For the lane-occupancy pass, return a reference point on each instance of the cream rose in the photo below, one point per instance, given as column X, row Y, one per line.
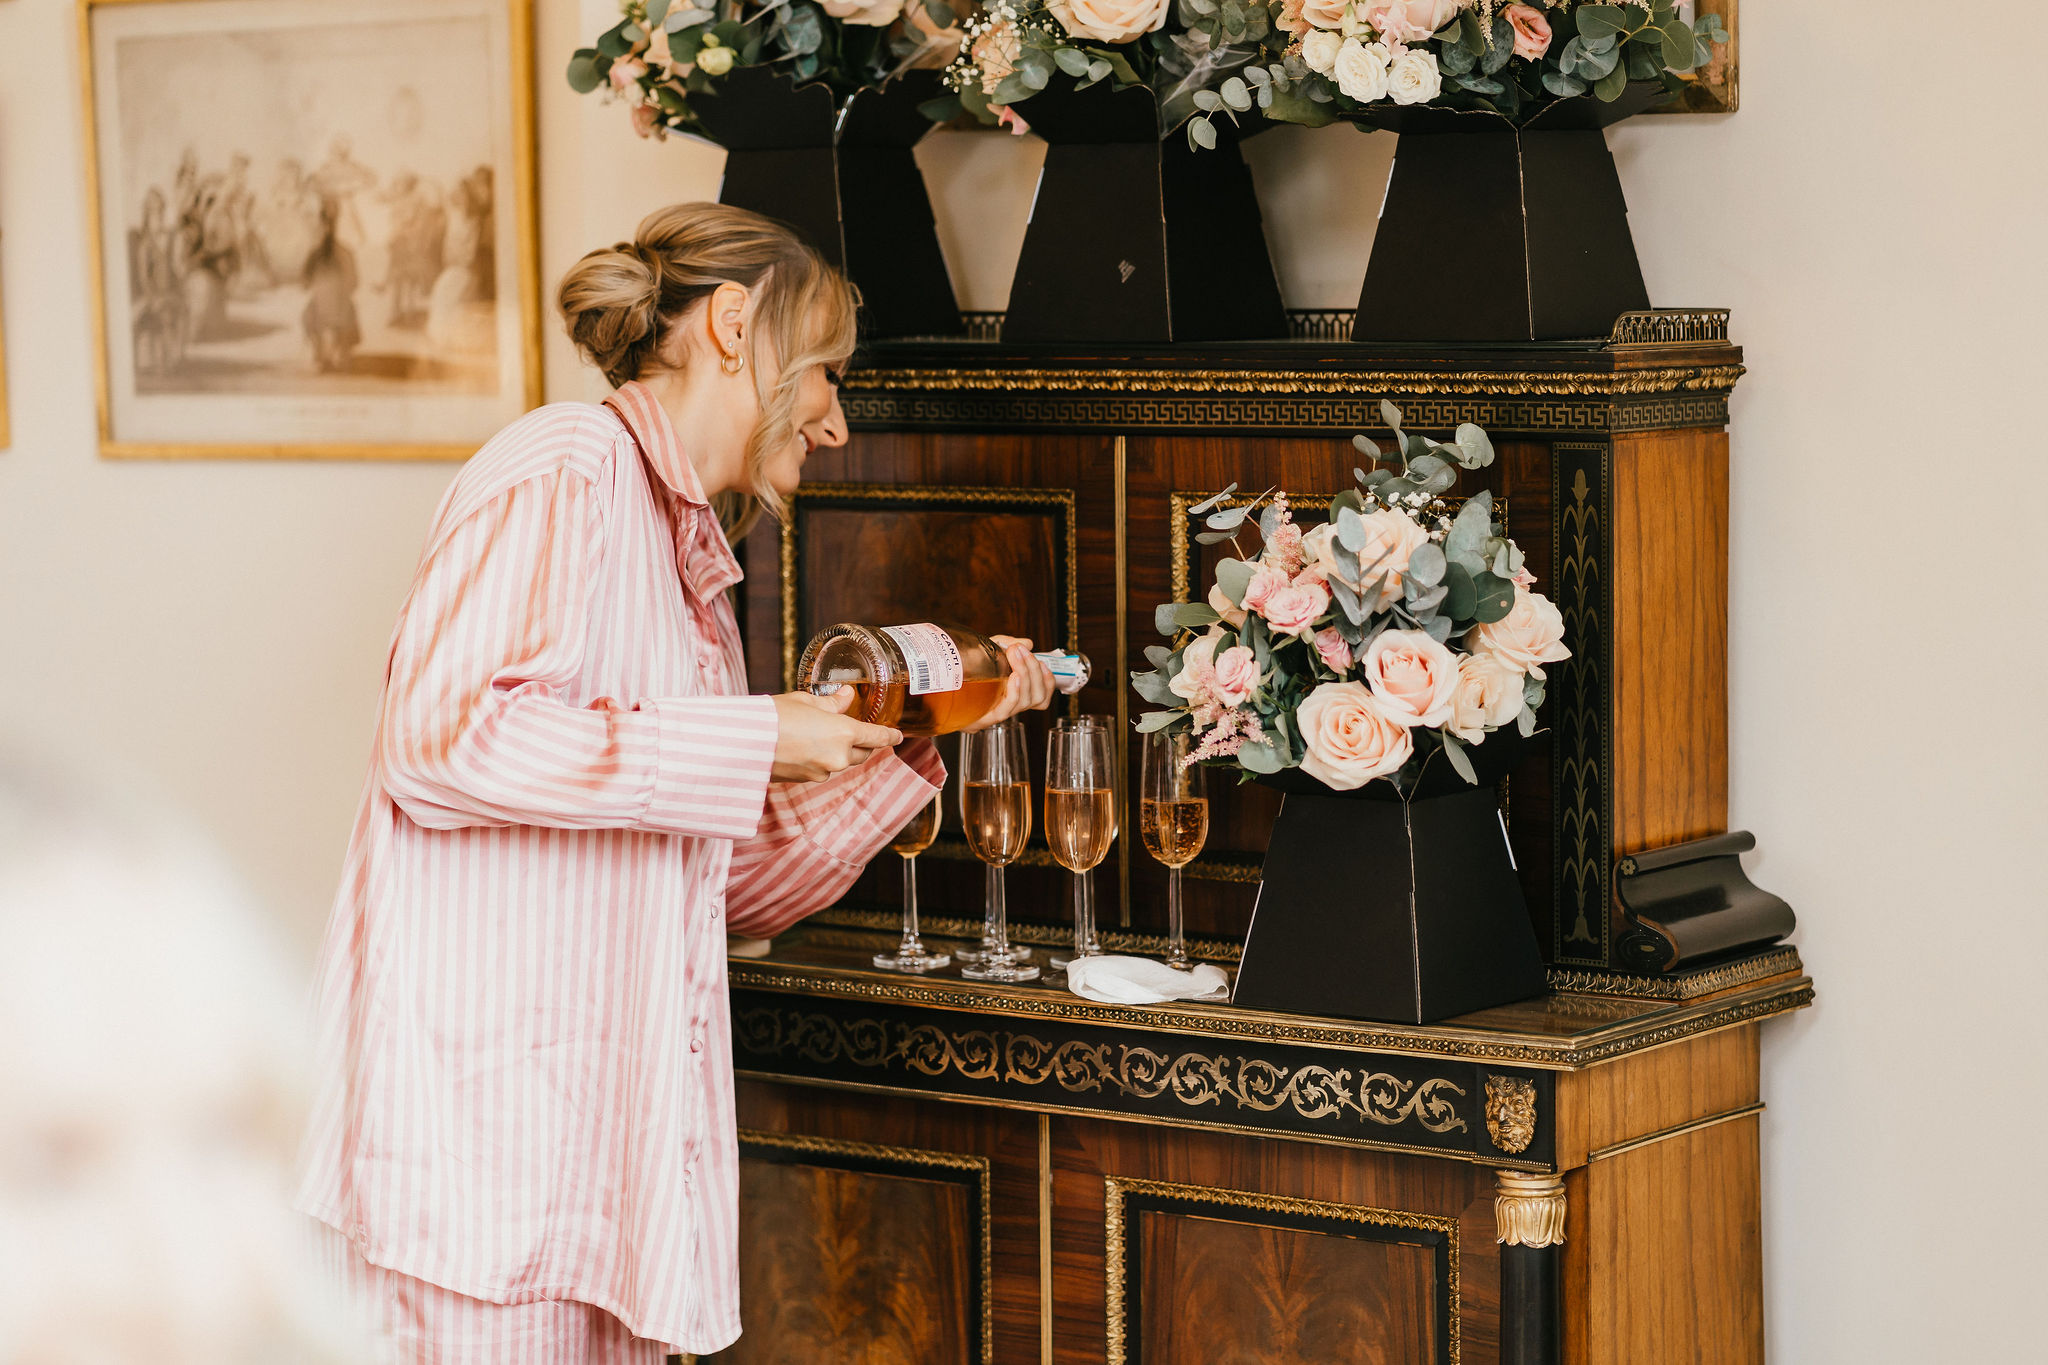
column 1326, row 14
column 1488, row 694
column 870, row 13
column 995, row 55
column 1293, row 610
column 1528, row 637
column 1319, row 49
column 1408, row 21
column 1391, row 540
column 1411, row 675
column 1235, row 674
column 714, row 61
column 1221, row 605
column 1110, row 21
column 1349, row 740
column 1197, row 668
column 1334, row 649
column 1413, row 78
column 1360, row 70
column 1532, row 31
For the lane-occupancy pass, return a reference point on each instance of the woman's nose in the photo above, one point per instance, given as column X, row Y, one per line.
column 832, row 431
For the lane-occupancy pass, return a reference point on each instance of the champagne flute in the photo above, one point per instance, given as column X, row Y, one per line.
column 1173, row 821
column 995, row 808
column 1080, row 814
column 914, row 838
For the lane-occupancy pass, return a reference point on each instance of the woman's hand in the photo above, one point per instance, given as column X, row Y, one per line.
column 814, row 738
column 1028, row 688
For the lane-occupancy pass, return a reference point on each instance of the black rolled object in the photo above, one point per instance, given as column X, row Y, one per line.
column 1404, row 911
column 1135, row 237
column 1496, row 232
column 1691, row 901
column 846, row 177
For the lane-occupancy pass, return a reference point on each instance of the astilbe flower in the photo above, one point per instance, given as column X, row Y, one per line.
column 1227, row 733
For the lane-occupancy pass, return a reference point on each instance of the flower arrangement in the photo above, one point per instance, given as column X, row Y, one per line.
column 1317, row 61
column 662, row 54
column 1358, row 649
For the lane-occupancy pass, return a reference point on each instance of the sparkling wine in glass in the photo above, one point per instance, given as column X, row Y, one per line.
column 1173, row 822
column 995, row 811
column 914, row 838
column 1080, row 814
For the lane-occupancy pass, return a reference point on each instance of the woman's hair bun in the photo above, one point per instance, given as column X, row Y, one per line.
column 611, row 302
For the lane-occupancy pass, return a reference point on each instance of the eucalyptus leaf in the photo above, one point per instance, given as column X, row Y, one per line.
column 1426, row 565
column 1233, row 576
column 1439, row 628
column 1351, row 532
column 1162, row 618
column 1157, row 655
column 1348, row 498
column 1425, row 603
column 1455, row 752
column 1599, row 21
column 1366, row 446
column 1212, row 537
column 1158, row 720
column 1459, row 595
column 584, row 76
column 1470, row 531
column 1073, row 62
column 1155, row 689
column 1348, row 601
column 1423, row 466
column 1228, row 519
column 656, row 11
column 1258, row 757
column 1391, row 416
column 1194, row 615
column 1213, row 501
column 1526, row 722
column 1477, row 445
column 1494, row 598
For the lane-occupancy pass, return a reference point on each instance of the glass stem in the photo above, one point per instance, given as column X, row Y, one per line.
column 998, row 918
column 995, row 898
column 911, row 946
column 1084, row 913
column 1176, row 924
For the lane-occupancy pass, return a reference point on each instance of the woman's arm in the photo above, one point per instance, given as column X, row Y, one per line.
column 475, row 730
column 816, row 837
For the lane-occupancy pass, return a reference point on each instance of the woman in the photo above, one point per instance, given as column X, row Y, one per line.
column 527, row 1137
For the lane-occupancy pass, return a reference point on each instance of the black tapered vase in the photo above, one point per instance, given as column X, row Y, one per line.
column 1401, row 911
column 1135, row 237
column 1496, row 232
column 847, row 178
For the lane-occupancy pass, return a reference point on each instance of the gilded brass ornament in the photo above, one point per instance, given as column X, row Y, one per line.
column 1528, row 1209
column 1670, row 379
column 1511, row 1112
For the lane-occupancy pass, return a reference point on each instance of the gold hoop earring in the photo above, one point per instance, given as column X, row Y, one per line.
column 733, row 363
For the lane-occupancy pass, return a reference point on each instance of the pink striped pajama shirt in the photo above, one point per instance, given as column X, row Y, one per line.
column 527, row 1088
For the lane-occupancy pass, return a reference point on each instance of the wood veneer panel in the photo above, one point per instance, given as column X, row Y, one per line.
column 1009, row 1141
column 1669, row 577
column 1664, row 1253
column 1646, row 1093
column 1084, row 1152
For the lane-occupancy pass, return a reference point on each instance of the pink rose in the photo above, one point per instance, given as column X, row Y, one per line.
column 1110, row 21
column 1327, row 14
column 1293, row 610
column 1408, row 21
column 1532, row 31
column 1350, row 741
column 1221, row 605
column 1007, row 117
column 1234, row 675
column 646, row 119
column 1488, row 696
column 1411, row 675
column 1198, row 668
column 1264, row 584
column 626, row 73
column 1528, row 637
column 1335, row 649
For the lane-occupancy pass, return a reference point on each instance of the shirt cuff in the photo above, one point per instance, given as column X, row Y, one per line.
column 853, row 816
column 712, row 765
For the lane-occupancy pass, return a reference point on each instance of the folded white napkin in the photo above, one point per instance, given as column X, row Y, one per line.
column 1141, row 981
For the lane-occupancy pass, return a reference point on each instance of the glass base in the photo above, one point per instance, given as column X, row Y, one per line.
column 912, row 962
column 1018, row 952
column 1058, row 961
column 1000, row 971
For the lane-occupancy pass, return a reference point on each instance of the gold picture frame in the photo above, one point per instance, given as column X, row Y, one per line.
column 212, row 361
column 6, row 432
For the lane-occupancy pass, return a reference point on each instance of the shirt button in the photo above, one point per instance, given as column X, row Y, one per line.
column 717, row 904
column 696, row 1045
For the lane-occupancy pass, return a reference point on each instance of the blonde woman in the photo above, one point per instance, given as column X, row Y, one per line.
column 526, row 1141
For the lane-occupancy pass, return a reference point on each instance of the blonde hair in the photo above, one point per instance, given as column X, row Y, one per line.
column 622, row 303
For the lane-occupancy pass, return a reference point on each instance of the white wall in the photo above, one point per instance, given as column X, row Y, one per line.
column 221, row 625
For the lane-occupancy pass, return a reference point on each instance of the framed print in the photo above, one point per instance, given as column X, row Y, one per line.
column 314, row 225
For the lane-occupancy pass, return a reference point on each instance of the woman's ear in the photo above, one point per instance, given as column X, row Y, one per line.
column 731, row 306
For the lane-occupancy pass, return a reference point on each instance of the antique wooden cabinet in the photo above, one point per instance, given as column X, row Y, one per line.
column 941, row 1171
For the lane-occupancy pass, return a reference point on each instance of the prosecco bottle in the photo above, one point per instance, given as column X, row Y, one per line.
column 923, row 679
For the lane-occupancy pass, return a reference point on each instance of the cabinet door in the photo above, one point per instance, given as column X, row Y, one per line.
column 1174, row 1247
column 885, row 1232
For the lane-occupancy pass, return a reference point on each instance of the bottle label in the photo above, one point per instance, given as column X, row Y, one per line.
column 931, row 656
column 1069, row 671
